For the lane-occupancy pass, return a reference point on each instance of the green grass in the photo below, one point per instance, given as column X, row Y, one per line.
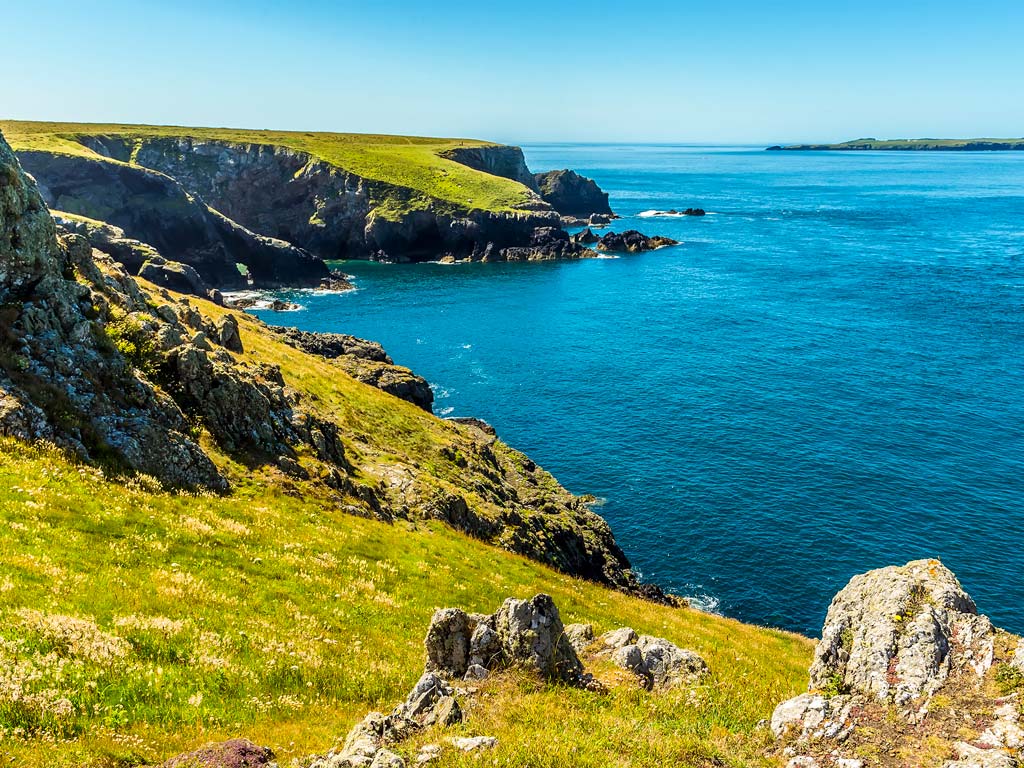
column 136, row 623
column 408, row 162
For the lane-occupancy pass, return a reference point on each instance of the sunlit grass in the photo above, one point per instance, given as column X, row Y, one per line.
column 411, row 164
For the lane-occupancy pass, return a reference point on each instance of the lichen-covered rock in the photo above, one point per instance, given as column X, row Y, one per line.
column 666, row 665
column 656, row 661
column 447, row 642
column 531, row 635
column 235, row 753
column 228, row 334
column 971, row 756
column 522, row 633
column 580, row 636
column 430, row 701
column 619, row 638
column 890, row 634
column 812, row 715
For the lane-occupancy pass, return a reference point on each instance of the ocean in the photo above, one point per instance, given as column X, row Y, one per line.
column 824, row 377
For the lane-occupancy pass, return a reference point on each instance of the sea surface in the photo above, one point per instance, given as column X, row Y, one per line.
column 825, row 377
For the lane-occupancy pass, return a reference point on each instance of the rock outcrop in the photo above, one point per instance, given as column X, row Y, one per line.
column 365, row 361
column 521, row 633
column 632, row 241
column 658, row 663
column 571, row 194
column 896, row 642
column 61, row 377
column 899, row 632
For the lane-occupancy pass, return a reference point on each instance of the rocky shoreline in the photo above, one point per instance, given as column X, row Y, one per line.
column 203, row 214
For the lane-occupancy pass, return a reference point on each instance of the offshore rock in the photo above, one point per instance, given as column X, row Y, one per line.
column 571, row 194
column 632, row 241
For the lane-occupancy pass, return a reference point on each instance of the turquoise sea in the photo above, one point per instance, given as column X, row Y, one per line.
column 825, row 377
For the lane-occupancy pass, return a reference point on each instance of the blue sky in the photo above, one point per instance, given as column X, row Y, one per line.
column 750, row 71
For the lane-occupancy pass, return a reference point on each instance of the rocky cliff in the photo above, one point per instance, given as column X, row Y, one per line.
column 571, row 194
column 213, row 203
column 154, row 208
column 139, row 379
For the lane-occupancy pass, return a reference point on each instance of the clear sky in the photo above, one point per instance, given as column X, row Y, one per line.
column 534, row 70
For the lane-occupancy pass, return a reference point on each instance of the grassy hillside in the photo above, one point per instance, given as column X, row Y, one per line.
column 917, row 144
column 405, row 161
column 136, row 623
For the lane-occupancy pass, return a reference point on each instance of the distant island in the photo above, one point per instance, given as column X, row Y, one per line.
column 911, row 145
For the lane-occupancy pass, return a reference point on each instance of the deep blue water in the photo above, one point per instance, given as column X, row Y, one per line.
column 824, row 378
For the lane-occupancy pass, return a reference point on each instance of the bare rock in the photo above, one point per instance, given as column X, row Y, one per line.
column 580, row 636
column 656, row 661
column 970, row 756
column 888, row 634
column 532, row 635
column 474, row 743
column 447, row 642
column 228, row 334
column 522, row 633
column 619, row 638
column 812, row 716
column 666, row 665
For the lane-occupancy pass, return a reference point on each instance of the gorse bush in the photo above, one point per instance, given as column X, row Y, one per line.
column 133, row 339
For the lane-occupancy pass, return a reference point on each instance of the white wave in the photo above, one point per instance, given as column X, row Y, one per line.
column 445, row 411
column 705, row 603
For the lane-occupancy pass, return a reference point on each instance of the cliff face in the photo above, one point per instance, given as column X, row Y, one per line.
column 141, row 380
column 335, row 214
column 61, row 377
column 507, row 162
column 571, row 194
column 213, row 203
column 154, row 208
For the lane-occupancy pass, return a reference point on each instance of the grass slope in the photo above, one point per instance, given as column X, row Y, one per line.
column 918, row 144
column 137, row 623
column 411, row 162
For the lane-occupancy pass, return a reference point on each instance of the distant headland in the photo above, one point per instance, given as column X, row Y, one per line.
column 912, row 145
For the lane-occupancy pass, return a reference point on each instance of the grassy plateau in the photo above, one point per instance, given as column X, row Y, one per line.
column 408, row 162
